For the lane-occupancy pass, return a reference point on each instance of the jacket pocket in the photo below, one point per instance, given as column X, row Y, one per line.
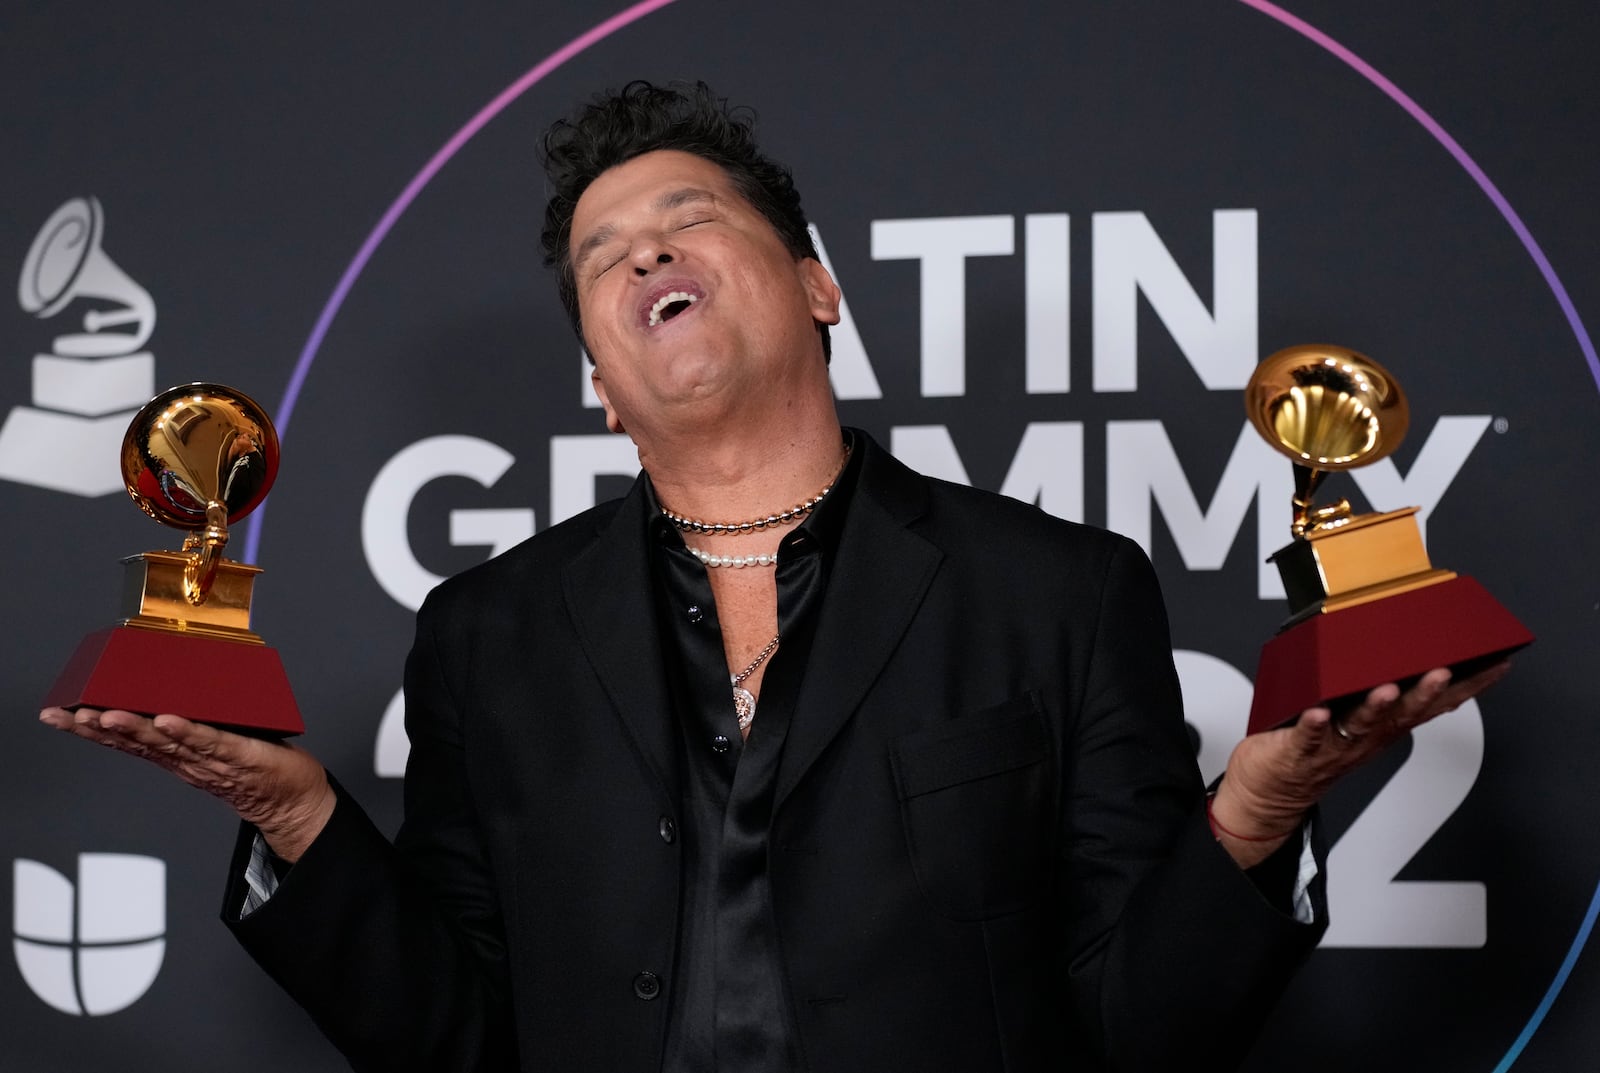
column 973, row 795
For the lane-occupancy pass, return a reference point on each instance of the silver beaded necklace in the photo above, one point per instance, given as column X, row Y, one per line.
column 771, row 521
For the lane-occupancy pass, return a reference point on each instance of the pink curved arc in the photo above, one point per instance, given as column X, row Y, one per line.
column 1453, row 147
column 358, row 264
column 1575, row 322
column 638, row 11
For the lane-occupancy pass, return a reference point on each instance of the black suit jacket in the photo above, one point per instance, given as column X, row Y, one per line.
column 988, row 848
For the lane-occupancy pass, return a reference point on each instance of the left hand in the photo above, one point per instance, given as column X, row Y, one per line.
column 1275, row 776
column 277, row 786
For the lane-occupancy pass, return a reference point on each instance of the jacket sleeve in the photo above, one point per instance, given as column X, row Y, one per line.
column 396, row 951
column 1174, row 956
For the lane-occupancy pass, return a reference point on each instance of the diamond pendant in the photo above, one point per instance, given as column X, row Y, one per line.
column 744, row 706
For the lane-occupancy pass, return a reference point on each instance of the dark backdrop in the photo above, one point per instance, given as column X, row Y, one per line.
column 1264, row 191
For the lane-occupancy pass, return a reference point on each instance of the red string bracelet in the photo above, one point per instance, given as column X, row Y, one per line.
column 1217, row 830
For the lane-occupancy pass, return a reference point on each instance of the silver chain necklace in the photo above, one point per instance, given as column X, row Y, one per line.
column 744, row 702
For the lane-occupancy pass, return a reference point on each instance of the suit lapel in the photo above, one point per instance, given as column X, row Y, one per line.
column 611, row 599
column 878, row 579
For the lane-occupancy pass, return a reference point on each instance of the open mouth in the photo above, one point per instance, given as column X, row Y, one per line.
column 670, row 305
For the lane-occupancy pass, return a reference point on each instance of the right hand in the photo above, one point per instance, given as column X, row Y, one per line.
column 280, row 788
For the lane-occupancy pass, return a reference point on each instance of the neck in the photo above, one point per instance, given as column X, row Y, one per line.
column 749, row 473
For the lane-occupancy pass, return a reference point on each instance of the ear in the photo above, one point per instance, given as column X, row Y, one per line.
column 822, row 294
column 613, row 422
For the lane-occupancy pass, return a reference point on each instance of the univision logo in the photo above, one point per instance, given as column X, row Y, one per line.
column 95, row 947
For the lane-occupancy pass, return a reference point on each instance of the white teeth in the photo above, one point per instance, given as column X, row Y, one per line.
column 667, row 299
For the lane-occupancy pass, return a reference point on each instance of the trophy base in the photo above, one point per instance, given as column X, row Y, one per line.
column 235, row 686
column 1343, row 653
column 1361, row 558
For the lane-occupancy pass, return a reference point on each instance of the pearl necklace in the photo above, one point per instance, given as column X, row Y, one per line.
column 709, row 559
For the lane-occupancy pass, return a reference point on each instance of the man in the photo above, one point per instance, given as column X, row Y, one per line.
column 945, row 815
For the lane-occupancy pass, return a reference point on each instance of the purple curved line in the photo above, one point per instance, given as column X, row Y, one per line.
column 358, row 264
column 1400, row 97
column 1440, row 135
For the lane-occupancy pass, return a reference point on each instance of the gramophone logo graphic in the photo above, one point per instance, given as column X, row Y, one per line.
column 89, row 385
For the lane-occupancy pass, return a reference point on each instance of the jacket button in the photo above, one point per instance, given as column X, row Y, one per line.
column 647, row 985
column 720, row 743
column 668, row 829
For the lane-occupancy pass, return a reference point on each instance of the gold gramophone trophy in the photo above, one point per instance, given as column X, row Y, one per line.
column 197, row 457
column 1366, row 605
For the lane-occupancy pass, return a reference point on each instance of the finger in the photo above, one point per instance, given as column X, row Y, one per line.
column 219, row 750
column 85, row 723
column 137, row 735
column 1372, row 715
column 1422, row 701
column 1313, row 731
column 199, row 738
column 1477, row 683
column 58, row 718
column 142, row 731
column 1335, row 734
column 1458, row 693
column 1436, row 693
column 144, row 737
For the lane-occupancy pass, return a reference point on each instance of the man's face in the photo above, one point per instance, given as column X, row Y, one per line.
column 689, row 299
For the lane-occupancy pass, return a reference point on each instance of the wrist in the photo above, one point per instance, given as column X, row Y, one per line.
column 1249, row 828
column 290, row 833
column 1245, row 830
column 1248, row 808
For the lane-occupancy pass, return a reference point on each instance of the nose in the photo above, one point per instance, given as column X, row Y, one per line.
column 650, row 254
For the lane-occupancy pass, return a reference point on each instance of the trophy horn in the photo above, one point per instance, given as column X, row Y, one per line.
column 1327, row 408
column 198, row 457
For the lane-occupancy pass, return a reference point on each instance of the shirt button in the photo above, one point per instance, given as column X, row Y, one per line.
column 693, row 613
column 647, row 985
column 668, row 829
column 720, row 743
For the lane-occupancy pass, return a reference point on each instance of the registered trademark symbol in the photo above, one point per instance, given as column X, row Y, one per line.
column 1501, row 424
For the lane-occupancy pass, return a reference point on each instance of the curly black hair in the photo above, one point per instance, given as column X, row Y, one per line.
column 616, row 127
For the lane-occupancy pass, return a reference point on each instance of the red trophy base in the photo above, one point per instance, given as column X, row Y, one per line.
column 229, row 684
column 1344, row 653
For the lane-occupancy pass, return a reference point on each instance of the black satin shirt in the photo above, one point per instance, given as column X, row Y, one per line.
column 730, row 1009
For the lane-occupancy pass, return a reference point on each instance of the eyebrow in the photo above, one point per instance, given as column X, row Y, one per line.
column 672, row 199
